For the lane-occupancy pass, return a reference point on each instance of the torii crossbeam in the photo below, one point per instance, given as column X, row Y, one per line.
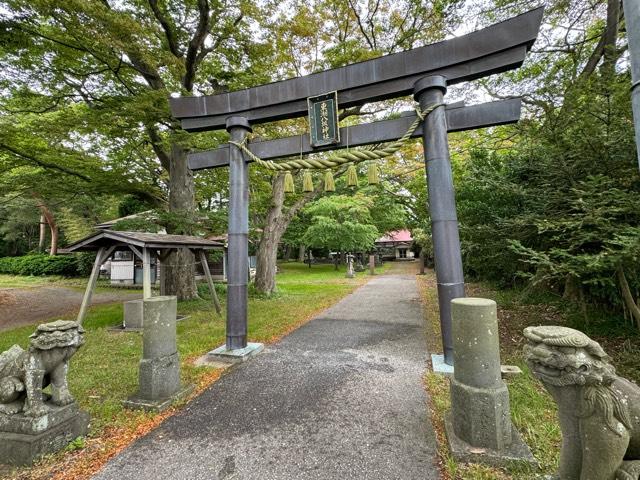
column 424, row 72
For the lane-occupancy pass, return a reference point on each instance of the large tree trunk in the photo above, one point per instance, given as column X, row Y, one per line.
column 274, row 228
column 275, row 225
column 179, row 274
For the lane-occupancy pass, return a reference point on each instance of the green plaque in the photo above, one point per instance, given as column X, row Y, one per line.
column 323, row 119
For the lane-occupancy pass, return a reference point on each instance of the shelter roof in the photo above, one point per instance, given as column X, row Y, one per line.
column 157, row 241
column 397, row 236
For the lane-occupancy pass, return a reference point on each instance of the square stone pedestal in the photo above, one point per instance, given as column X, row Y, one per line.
column 138, row 402
column 221, row 354
column 517, row 451
column 133, row 318
column 23, row 440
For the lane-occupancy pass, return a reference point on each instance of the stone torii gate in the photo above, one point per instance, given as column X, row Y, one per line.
column 424, row 72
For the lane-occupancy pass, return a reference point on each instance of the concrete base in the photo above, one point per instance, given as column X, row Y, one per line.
column 136, row 402
column 221, row 354
column 507, row 371
column 23, row 440
column 462, row 452
column 439, row 366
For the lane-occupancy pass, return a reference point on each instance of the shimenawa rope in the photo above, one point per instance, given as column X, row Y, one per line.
column 355, row 156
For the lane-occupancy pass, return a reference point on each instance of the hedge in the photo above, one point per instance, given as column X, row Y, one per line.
column 78, row 265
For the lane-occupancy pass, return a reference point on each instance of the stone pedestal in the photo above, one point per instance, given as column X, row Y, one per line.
column 479, row 426
column 159, row 371
column 133, row 314
column 23, row 440
column 224, row 355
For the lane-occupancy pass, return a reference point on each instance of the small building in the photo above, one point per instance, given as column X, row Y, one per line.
column 148, row 248
column 125, row 267
column 395, row 245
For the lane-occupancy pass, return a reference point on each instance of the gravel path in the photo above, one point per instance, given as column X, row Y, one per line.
column 26, row 306
column 340, row 398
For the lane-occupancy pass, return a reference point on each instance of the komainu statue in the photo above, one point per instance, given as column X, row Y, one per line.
column 599, row 412
column 24, row 373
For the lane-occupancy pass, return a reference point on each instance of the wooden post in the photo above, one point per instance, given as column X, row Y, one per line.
column 95, row 272
column 212, row 289
column 146, row 273
column 161, row 275
column 162, row 257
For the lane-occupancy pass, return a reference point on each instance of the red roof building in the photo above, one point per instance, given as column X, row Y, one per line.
column 395, row 245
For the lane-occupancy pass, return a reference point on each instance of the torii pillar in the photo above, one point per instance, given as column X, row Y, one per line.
column 442, row 204
column 236, row 349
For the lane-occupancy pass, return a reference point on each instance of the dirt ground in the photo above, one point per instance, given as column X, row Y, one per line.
column 26, row 306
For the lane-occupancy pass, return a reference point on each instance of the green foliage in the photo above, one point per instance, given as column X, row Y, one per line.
column 341, row 223
column 38, row 265
column 131, row 204
column 565, row 206
column 84, row 262
column 75, row 226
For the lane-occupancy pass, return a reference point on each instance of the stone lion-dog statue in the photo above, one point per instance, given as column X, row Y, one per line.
column 599, row 412
column 25, row 373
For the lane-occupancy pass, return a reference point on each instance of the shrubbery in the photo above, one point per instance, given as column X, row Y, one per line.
column 78, row 265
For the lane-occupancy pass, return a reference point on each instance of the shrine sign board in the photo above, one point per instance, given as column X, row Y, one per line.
column 323, row 119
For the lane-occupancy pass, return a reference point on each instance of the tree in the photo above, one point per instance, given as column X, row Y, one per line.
column 331, row 34
column 341, row 223
column 110, row 66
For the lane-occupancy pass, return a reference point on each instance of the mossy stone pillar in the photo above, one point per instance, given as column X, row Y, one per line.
column 479, row 425
column 159, row 371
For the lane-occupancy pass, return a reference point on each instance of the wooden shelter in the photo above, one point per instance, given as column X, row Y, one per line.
column 143, row 245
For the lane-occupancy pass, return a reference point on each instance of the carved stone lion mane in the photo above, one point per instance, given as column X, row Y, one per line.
column 598, row 410
column 24, row 373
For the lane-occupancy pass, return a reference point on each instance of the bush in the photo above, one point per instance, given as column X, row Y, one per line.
column 39, row 265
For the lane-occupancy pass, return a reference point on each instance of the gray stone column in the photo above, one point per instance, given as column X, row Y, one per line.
column 442, row 204
column 238, row 273
column 479, row 397
column 372, row 264
column 479, row 425
column 159, row 371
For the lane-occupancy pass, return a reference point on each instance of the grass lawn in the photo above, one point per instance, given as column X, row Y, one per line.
column 532, row 409
column 105, row 370
column 18, row 281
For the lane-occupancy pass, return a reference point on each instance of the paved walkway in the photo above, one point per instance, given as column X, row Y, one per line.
column 340, row 398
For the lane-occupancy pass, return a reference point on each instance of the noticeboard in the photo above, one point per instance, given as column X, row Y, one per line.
column 323, row 119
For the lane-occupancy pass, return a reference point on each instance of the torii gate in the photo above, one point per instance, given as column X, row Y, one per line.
column 424, row 72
